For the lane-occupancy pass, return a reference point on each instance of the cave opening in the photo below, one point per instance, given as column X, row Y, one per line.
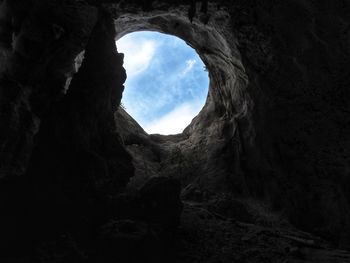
column 181, row 155
column 167, row 82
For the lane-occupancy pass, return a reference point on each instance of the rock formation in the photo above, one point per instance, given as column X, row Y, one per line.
column 262, row 171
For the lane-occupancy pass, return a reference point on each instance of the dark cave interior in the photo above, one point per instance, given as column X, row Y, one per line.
column 262, row 174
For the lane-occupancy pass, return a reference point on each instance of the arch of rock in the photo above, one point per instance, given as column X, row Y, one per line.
column 274, row 128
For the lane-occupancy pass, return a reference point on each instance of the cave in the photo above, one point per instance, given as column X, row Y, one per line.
column 262, row 173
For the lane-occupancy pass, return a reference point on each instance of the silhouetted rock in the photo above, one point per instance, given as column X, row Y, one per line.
column 231, row 208
column 161, row 198
column 157, row 202
column 127, row 241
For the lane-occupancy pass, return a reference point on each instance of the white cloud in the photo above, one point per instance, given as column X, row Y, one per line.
column 137, row 54
column 189, row 65
column 159, row 77
column 175, row 121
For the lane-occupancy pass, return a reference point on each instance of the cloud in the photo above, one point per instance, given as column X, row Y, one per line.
column 166, row 85
column 175, row 121
column 189, row 65
column 138, row 54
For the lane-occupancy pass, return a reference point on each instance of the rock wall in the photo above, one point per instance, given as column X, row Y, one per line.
column 275, row 123
column 274, row 128
column 62, row 158
column 295, row 56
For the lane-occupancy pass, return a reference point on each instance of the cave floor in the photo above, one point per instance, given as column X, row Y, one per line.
column 208, row 237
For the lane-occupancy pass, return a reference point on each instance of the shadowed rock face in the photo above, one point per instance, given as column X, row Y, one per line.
column 276, row 112
column 270, row 147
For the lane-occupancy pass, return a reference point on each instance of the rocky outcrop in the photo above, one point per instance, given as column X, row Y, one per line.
column 275, row 114
column 38, row 63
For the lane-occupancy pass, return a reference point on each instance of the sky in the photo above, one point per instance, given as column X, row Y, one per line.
column 167, row 84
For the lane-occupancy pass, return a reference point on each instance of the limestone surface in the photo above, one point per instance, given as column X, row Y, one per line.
column 262, row 173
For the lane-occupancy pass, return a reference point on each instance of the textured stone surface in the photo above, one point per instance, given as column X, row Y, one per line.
column 270, row 147
column 275, row 123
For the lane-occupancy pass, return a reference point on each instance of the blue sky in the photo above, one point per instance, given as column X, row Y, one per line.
column 166, row 86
